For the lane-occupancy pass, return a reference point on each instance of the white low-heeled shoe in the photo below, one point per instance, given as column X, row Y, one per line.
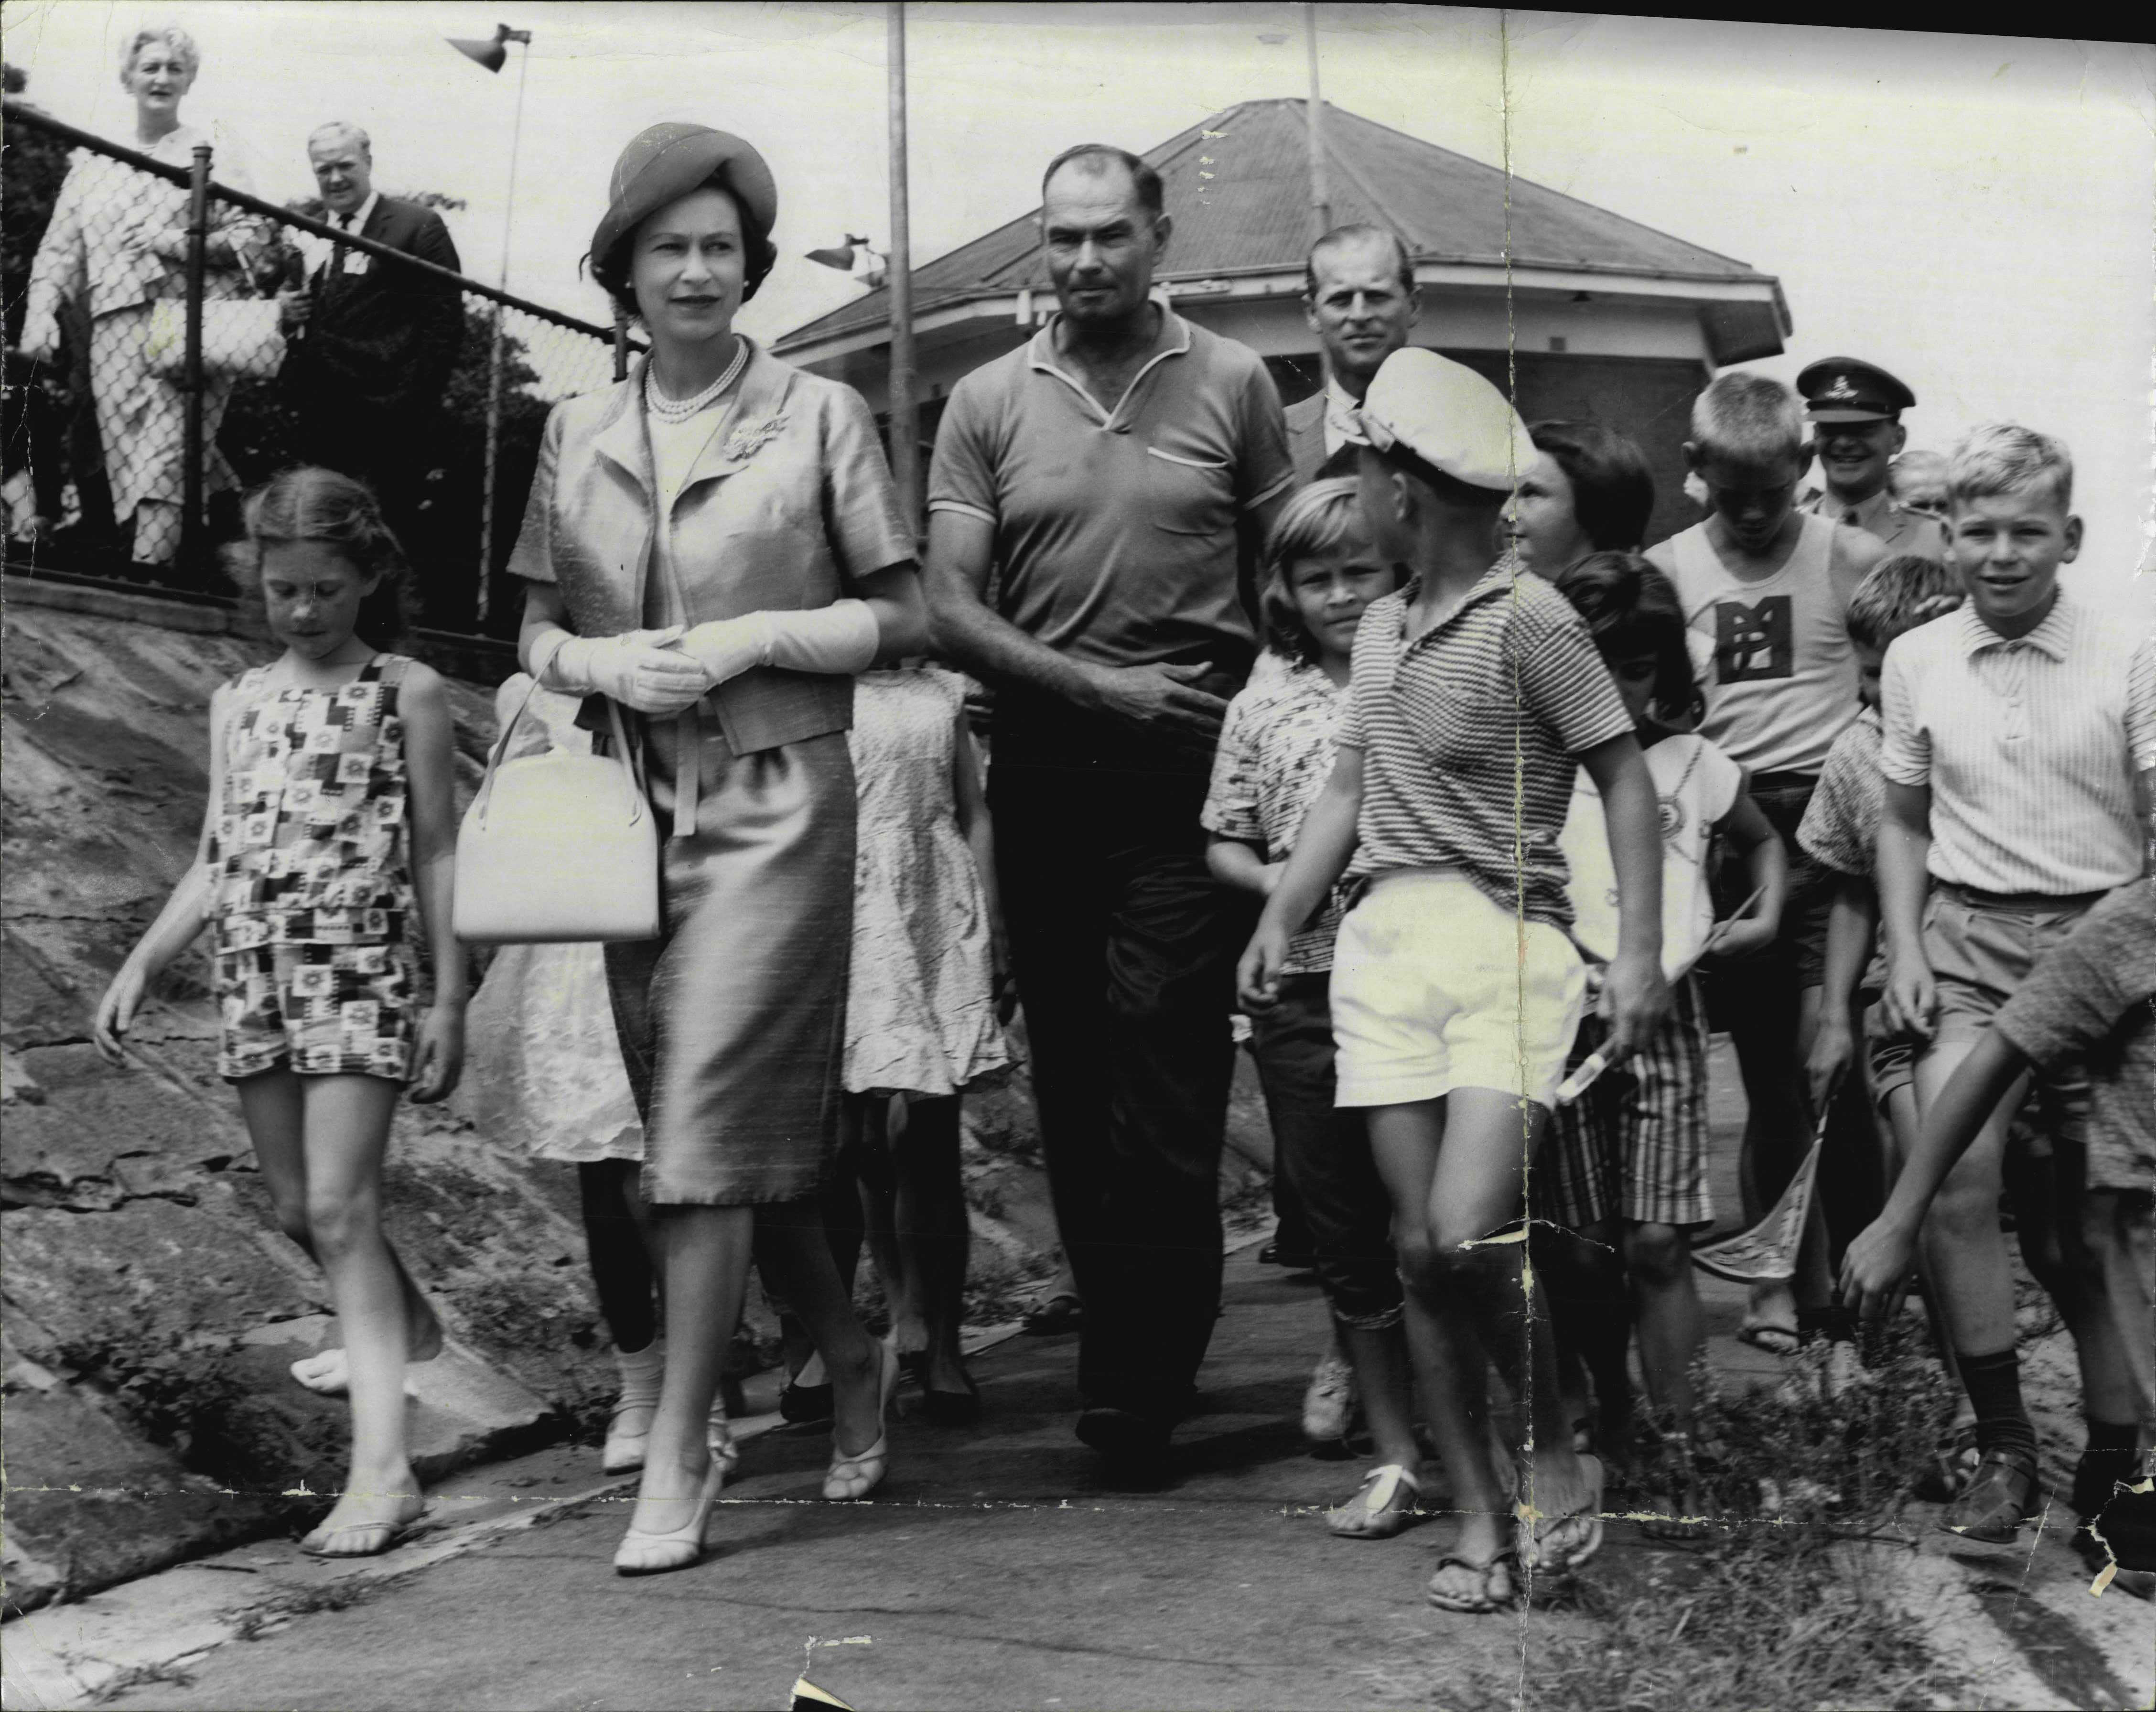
column 851, row 1478
column 630, row 1426
column 641, row 1554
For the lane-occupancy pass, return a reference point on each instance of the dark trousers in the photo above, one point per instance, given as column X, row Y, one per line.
column 1322, row 1151
column 1124, row 948
column 392, row 454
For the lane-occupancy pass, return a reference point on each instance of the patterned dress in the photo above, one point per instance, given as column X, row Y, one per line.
column 314, row 906
column 921, row 1016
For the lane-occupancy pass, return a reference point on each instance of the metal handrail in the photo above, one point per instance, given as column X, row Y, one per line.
column 38, row 118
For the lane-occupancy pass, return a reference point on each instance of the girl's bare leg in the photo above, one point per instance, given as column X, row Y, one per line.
column 797, row 1249
column 346, row 1125
column 270, row 1105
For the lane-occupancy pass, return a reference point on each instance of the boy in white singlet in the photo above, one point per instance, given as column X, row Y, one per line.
column 1766, row 590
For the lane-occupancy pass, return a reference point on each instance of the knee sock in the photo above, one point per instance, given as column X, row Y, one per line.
column 1994, row 1383
column 2110, row 1456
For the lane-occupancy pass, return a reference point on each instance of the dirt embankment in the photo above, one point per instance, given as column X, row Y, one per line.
column 146, row 1419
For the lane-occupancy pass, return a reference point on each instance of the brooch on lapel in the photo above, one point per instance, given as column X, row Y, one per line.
column 744, row 443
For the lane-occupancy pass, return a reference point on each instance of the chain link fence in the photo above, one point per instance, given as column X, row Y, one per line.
column 172, row 341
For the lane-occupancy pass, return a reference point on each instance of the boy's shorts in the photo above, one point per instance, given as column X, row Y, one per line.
column 1634, row 1145
column 1766, row 986
column 1435, row 988
column 325, row 1010
column 1981, row 949
column 1892, row 1058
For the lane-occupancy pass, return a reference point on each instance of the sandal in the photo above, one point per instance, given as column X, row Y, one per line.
column 1770, row 1336
column 1557, row 1546
column 1674, row 1511
column 377, row 1537
column 1387, row 1501
column 1991, row 1510
column 1494, row 1587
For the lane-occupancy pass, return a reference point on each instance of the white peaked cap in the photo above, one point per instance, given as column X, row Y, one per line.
column 1448, row 416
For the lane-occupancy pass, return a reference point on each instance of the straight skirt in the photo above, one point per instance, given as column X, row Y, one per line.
column 732, row 1022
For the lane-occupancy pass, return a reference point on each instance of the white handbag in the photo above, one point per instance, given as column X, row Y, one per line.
column 243, row 339
column 557, row 848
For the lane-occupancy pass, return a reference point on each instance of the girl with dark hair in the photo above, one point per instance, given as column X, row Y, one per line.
column 1624, row 1185
column 714, row 543
column 1589, row 491
column 328, row 848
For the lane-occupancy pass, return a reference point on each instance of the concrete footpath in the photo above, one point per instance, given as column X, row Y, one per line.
column 995, row 1569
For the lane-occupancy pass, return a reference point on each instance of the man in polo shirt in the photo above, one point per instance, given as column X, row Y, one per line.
column 1855, row 409
column 1359, row 298
column 1118, row 473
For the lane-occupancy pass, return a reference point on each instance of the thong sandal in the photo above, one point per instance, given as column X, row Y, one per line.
column 1557, row 1546
column 390, row 1534
column 1769, row 1335
column 1493, row 1588
column 1387, row 1501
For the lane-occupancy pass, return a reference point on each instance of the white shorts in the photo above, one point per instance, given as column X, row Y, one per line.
column 1435, row 988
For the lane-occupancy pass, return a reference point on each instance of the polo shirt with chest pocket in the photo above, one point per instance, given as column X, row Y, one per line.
column 1116, row 529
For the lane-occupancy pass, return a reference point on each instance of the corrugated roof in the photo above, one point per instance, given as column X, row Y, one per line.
column 1239, row 187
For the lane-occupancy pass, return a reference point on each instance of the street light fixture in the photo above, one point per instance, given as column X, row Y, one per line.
column 841, row 257
column 494, row 55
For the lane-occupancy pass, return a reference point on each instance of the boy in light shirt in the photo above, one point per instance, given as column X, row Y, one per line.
column 2019, row 754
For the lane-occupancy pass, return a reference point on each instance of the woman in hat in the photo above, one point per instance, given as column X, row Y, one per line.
column 714, row 544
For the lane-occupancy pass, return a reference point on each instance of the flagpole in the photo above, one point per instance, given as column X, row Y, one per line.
column 1321, row 200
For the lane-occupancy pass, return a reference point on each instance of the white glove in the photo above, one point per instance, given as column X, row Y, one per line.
column 41, row 336
column 838, row 640
column 637, row 669
column 726, row 647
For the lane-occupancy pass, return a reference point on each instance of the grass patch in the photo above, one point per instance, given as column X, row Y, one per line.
column 1779, row 1608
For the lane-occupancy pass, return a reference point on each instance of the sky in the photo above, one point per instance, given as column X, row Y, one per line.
column 1973, row 212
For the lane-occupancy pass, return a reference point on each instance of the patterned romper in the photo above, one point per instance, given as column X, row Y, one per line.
column 314, row 901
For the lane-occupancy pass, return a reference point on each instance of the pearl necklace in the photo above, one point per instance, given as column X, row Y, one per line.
column 681, row 409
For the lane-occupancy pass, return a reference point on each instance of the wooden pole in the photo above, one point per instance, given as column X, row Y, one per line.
column 1321, row 200
column 905, row 413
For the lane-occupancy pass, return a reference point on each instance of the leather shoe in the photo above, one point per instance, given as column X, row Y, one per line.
column 1990, row 1509
column 1124, row 1435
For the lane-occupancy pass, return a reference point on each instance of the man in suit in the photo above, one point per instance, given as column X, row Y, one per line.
column 1359, row 298
column 371, row 343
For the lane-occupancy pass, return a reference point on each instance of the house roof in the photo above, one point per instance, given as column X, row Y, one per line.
column 1239, row 187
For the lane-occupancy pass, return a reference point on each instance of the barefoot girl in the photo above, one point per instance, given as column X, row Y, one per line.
column 326, row 849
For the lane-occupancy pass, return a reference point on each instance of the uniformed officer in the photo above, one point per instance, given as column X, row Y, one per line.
column 1855, row 409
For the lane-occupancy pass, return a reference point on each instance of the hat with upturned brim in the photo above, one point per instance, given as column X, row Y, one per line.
column 663, row 164
column 1448, row 416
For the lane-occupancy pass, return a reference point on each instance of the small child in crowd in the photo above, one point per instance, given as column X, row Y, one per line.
column 1627, row 1170
column 1840, row 833
column 546, row 1075
column 2019, row 756
column 1475, row 692
column 1276, row 749
column 1768, row 587
column 2090, row 999
column 926, row 1003
column 1917, row 480
column 327, row 851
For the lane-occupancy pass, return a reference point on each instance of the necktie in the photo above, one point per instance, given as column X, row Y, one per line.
column 1852, row 519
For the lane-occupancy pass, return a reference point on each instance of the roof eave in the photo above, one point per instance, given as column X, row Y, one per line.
column 1743, row 318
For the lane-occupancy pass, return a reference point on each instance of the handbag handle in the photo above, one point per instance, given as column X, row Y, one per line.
column 638, row 807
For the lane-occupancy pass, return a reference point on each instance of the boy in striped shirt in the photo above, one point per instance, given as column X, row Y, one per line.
column 1475, row 691
column 2020, row 753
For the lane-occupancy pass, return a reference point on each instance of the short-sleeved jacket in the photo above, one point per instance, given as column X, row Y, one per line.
column 788, row 504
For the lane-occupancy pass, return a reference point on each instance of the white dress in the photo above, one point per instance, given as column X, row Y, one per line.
column 545, row 1062
column 921, row 1016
